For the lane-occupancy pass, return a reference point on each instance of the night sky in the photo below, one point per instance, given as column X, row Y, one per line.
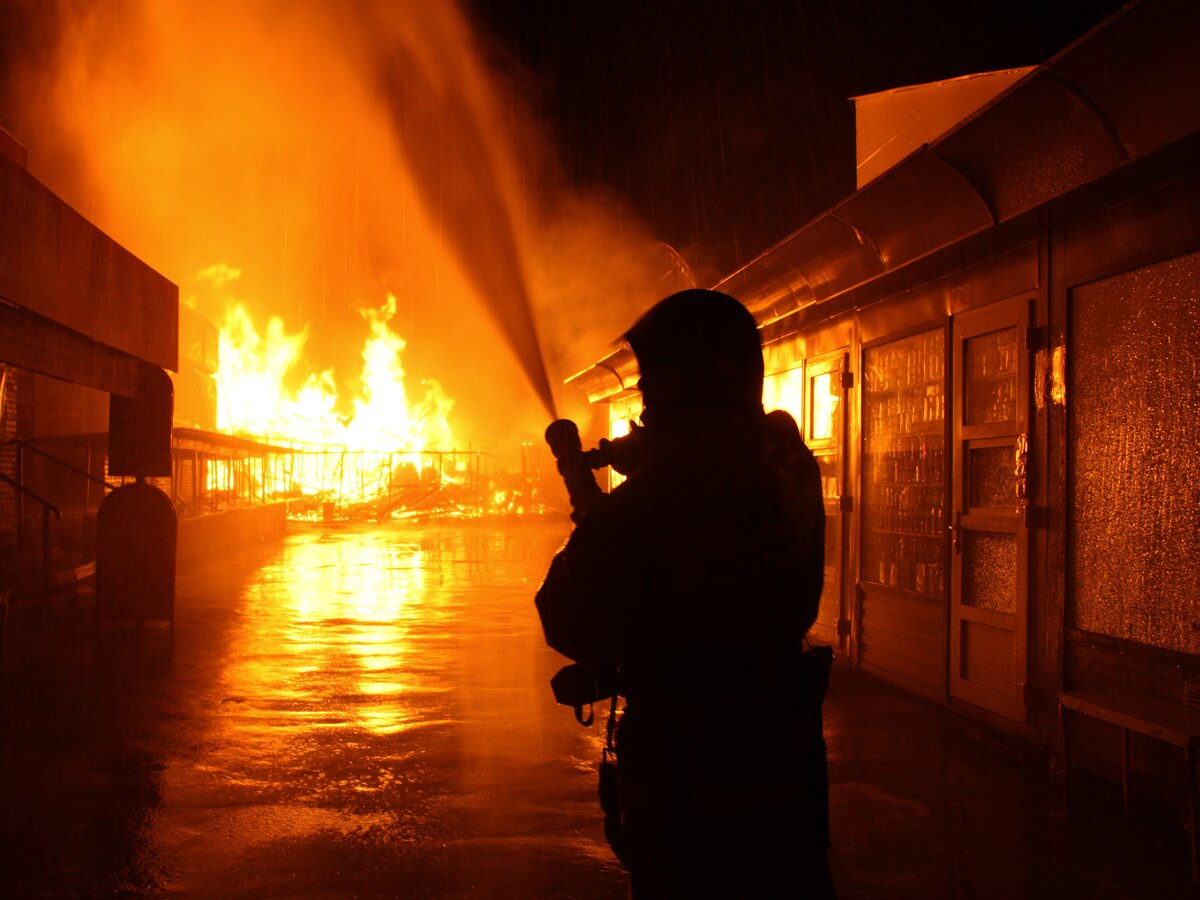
column 728, row 125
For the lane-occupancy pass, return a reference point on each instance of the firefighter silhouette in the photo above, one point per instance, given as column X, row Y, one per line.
column 695, row 582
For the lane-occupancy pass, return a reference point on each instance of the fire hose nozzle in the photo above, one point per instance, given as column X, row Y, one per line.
column 624, row 454
column 563, row 437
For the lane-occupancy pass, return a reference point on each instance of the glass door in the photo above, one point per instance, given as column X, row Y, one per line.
column 990, row 555
column 901, row 627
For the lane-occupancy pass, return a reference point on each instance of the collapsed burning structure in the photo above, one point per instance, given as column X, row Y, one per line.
column 387, row 458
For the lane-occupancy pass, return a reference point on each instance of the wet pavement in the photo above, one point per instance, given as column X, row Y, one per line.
column 926, row 803
column 364, row 711
column 360, row 711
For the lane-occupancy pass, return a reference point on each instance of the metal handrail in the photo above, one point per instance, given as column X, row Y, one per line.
column 47, row 506
column 31, row 495
column 25, row 445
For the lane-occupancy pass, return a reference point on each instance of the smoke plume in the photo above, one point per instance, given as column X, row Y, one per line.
column 334, row 154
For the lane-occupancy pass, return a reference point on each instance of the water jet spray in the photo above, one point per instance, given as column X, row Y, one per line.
column 463, row 177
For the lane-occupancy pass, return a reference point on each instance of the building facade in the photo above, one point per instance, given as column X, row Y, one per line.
column 992, row 348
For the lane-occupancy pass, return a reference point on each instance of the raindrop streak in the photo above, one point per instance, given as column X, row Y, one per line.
column 460, row 184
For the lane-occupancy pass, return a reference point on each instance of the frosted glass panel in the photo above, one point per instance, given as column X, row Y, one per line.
column 990, row 570
column 990, row 473
column 1134, row 402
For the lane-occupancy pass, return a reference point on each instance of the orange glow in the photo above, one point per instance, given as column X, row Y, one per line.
column 375, row 590
column 785, row 390
column 267, row 392
column 332, row 154
column 825, row 399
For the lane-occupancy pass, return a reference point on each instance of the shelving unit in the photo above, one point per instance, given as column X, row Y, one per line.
column 904, row 464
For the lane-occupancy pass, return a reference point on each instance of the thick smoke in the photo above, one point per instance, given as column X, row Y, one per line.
column 334, row 153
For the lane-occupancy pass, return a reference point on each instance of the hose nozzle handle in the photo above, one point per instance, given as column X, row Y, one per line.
column 563, row 437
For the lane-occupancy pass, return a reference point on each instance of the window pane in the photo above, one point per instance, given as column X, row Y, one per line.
column 990, row 473
column 1134, row 410
column 990, row 570
column 785, row 390
column 825, row 397
column 904, row 493
column 828, row 464
column 991, row 371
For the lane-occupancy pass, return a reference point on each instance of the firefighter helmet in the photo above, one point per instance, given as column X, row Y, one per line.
column 698, row 349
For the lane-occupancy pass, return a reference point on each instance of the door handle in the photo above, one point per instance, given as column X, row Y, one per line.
column 1021, row 467
column 956, row 532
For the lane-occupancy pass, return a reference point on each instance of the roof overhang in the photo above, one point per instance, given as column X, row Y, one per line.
column 1115, row 96
column 34, row 342
column 57, row 265
column 1121, row 93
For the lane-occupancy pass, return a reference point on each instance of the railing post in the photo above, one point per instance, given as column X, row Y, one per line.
column 45, row 551
column 19, row 497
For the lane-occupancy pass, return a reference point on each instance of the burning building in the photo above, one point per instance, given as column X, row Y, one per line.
column 991, row 346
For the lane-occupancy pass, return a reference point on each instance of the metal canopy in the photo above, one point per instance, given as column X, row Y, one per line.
column 1125, row 90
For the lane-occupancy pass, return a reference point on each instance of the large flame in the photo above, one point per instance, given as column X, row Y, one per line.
column 266, row 391
column 254, row 398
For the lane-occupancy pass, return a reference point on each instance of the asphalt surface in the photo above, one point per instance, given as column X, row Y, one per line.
column 365, row 712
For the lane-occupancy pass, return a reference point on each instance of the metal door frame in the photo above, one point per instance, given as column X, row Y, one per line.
column 837, row 363
column 1012, row 313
